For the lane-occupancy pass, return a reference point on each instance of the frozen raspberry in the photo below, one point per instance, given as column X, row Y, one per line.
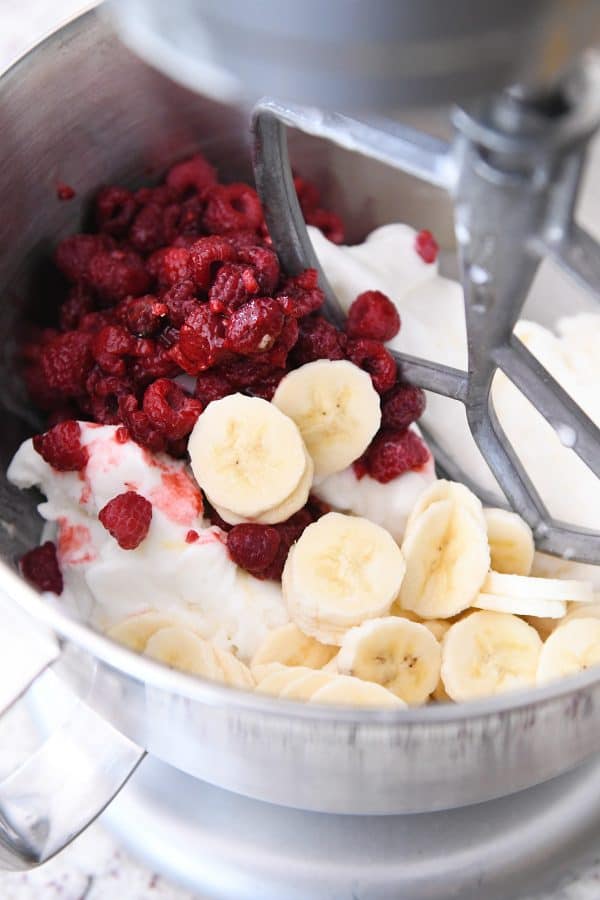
column 153, row 360
column 147, row 232
column 253, row 546
column 74, row 254
column 40, row 568
column 233, row 285
column 301, row 295
column 207, row 252
column 394, row 452
column 318, row 339
column 230, row 207
column 121, row 435
column 265, row 264
column 329, row 223
column 242, row 238
column 139, row 426
column 110, row 346
column 426, row 246
column 289, row 532
column 373, row 315
column 201, row 341
column 65, row 362
column 79, row 303
column 142, row 316
column 180, row 301
column 402, row 406
column 95, row 321
column 211, row 386
column 127, row 518
column 104, row 394
column 267, row 386
column 115, row 209
column 161, row 195
column 308, row 194
column 360, row 467
column 191, row 537
column 117, row 274
column 255, row 326
column 278, row 355
column 183, row 222
column 242, row 373
column 170, row 409
column 170, row 266
column 61, row 447
column 376, row 360
column 193, row 174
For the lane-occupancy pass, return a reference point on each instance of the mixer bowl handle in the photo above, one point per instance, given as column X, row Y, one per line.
column 59, row 789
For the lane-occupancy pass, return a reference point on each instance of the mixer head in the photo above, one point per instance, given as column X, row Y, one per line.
column 512, row 169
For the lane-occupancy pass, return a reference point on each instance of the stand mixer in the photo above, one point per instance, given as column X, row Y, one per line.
column 358, row 776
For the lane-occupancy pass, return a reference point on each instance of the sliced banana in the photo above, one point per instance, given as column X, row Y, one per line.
column 336, row 408
column 523, row 587
column 488, row 653
column 400, row 655
column 573, row 647
column 521, row 606
column 344, row 690
column 284, row 510
column 246, row 454
column 135, row 631
column 275, row 681
column 511, row 542
column 236, row 673
column 581, row 610
column 304, row 687
column 291, row 647
column 180, row 648
column 341, row 571
column 446, row 490
column 447, row 559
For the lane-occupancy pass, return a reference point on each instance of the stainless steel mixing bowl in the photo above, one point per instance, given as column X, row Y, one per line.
column 82, row 109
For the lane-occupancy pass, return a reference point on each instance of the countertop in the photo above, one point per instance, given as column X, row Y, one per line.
column 94, row 866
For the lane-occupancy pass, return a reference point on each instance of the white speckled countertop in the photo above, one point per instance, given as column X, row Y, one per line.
column 94, row 867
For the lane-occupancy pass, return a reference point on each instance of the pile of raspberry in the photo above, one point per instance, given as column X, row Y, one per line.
column 178, row 299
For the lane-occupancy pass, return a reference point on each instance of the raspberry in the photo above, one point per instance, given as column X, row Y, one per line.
column 183, row 220
column 289, row 532
column 191, row 537
column 205, row 253
column 233, row 285
column 79, row 302
column 147, row 232
column 318, row 339
column 140, row 428
column 267, row 386
column 193, row 174
column 161, row 195
column 110, row 346
column 242, row 238
column 330, row 224
column 121, row 435
column 93, row 322
column 373, row 315
column 255, row 326
column 308, row 194
column 117, row 273
column 115, row 209
column 127, row 518
column 277, row 356
column 376, row 360
column 211, row 386
column 265, row 264
column 301, row 295
column 214, row 517
column 170, row 266
column 402, row 406
column 253, row 547
column 243, row 372
column 360, row 467
column 40, row 568
column 142, row 316
column 426, row 246
column 65, row 362
column 170, row 409
column 394, row 452
column 61, row 447
column 201, row 341
column 230, row 207
column 104, row 392
column 74, row 254
column 153, row 361
column 62, row 414
column 180, row 301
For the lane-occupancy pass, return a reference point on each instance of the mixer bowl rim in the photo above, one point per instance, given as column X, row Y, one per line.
column 157, row 675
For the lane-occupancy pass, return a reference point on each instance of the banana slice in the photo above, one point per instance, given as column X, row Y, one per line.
column 135, row 631
column 236, row 673
column 277, row 680
column 402, row 656
column 341, row 571
column 511, row 542
column 523, row 587
column 446, row 490
column 489, row 653
column 284, row 510
column 521, row 606
column 304, row 687
column 180, row 648
column 291, row 647
column 246, row 454
column 345, row 690
column 336, row 408
column 581, row 610
column 447, row 559
column 573, row 647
